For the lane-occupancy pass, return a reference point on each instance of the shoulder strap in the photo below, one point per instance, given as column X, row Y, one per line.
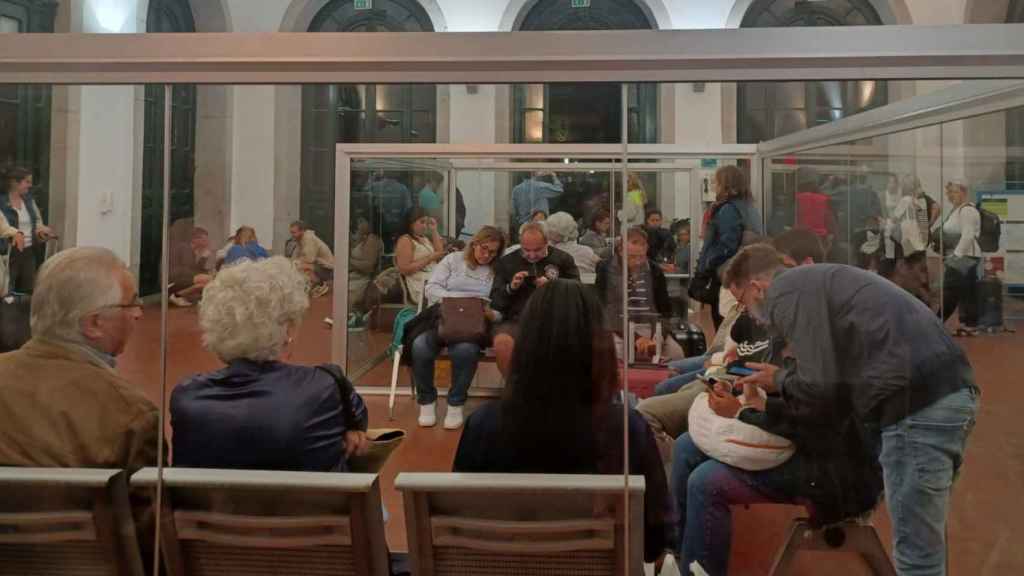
column 345, row 390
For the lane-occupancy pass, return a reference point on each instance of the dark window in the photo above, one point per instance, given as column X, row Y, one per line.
column 584, row 113
column 25, row 109
column 767, row 110
column 384, row 113
column 1015, row 120
column 166, row 16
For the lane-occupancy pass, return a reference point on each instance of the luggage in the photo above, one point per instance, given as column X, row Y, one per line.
column 990, row 303
column 14, row 321
column 690, row 338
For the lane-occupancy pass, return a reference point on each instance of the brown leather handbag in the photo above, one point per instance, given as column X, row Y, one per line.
column 462, row 320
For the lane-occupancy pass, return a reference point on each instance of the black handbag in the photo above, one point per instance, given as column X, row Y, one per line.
column 704, row 287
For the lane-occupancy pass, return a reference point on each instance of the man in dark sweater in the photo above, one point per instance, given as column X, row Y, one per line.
column 516, row 277
column 861, row 341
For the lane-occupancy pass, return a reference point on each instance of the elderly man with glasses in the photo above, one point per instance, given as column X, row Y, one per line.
column 62, row 402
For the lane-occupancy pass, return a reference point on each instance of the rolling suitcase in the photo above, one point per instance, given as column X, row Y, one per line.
column 990, row 305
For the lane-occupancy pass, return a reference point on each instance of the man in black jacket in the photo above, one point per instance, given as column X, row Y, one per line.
column 859, row 340
column 516, row 277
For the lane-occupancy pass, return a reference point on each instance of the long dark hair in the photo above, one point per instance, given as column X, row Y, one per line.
column 562, row 379
column 411, row 216
column 10, row 174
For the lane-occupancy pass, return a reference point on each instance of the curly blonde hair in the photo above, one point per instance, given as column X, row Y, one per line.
column 248, row 308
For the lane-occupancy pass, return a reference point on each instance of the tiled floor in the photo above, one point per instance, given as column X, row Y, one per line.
column 987, row 511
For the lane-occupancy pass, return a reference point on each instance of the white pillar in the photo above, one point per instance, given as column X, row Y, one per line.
column 252, row 179
column 96, row 149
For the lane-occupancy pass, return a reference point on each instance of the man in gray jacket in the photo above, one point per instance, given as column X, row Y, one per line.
column 858, row 337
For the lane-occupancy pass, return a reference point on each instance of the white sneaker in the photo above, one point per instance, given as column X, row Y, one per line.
column 428, row 415
column 178, row 301
column 453, row 418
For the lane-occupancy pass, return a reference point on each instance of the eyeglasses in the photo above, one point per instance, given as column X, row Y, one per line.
column 486, row 249
column 135, row 303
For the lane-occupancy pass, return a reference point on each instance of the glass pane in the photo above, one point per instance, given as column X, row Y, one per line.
column 534, row 96
column 789, row 121
column 389, row 126
column 80, row 388
column 390, row 97
column 533, row 126
column 9, row 25
column 789, row 94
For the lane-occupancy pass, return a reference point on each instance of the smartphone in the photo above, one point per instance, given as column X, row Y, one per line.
column 738, row 369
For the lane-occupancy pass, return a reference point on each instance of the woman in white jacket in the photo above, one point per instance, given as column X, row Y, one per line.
column 962, row 256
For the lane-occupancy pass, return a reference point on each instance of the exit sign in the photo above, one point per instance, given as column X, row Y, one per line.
column 580, row 3
column 368, row 4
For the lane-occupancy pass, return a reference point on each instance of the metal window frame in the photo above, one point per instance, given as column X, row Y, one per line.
column 727, row 55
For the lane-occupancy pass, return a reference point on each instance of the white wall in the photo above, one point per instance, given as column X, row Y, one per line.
column 252, row 179
column 96, row 145
column 106, row 192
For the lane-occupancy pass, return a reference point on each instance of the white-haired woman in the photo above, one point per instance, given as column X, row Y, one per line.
column 563, row 233
column 259, row 412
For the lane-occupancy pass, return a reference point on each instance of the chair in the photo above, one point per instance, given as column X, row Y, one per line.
column 72, row 521
column 254, row 522
column 517, row 524
column 856, row 535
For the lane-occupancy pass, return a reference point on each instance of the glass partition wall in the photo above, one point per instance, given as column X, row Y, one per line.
column 504, row 187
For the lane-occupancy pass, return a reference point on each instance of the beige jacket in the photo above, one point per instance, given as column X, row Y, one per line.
column 61, row 407
column 313, row 250
column 6, row 230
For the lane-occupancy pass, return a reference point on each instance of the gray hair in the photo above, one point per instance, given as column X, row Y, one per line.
column 561, row 227
column 70, row 286
column 538, row 227
column 248, row 308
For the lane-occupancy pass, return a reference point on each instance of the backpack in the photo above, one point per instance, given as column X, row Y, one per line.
column 991, row 230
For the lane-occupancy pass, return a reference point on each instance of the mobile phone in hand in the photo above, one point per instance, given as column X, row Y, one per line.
column 740, row 369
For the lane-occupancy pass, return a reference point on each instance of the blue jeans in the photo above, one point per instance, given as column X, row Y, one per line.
column 688, row 368
column 703, row 490
column 920, row 458
column 464, row 356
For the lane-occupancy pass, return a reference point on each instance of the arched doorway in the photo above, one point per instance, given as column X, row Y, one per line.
column 387, row 113
column 766, row 110
column 166, row 16
column 25, row 108
column 583, row 113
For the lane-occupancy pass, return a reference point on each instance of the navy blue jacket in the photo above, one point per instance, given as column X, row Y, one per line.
column 723, row 237
column 265, row 416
